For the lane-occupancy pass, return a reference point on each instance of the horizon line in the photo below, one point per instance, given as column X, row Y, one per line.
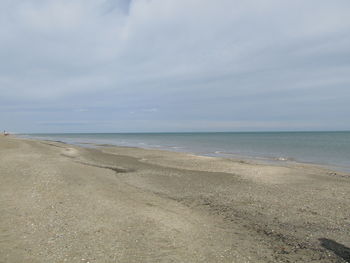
column 267, row 131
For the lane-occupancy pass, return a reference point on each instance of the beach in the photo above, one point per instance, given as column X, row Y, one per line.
column 67, row 203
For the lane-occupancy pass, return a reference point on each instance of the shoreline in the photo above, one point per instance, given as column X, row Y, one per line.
column 260, row 160
column 122, row 204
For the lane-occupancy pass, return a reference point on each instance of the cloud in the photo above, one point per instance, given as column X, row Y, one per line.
column 230, row 60
column 150, row 110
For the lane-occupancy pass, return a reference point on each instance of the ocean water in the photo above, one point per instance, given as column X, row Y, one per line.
column 331, row 149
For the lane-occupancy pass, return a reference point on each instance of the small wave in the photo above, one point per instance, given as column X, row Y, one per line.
column 284, row 159
column 227, row 153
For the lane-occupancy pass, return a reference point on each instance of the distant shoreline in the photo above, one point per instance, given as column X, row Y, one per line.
column 179, row 145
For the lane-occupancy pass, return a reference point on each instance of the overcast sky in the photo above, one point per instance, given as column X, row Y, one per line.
column 174, row 65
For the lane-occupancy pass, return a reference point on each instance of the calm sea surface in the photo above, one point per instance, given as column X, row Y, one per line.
column 326, row 148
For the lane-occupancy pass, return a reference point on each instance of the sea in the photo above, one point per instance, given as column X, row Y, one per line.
column 331, row 149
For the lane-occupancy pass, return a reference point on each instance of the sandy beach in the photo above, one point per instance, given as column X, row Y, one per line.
column 64, row 203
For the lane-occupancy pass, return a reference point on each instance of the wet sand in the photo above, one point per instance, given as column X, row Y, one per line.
column 64, row 203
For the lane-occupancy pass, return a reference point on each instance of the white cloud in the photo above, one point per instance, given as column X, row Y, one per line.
column 173, row 51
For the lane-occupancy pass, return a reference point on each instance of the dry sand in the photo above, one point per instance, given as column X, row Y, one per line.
column 64, row 203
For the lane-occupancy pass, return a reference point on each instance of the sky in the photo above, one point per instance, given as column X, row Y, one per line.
column 174, row 65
